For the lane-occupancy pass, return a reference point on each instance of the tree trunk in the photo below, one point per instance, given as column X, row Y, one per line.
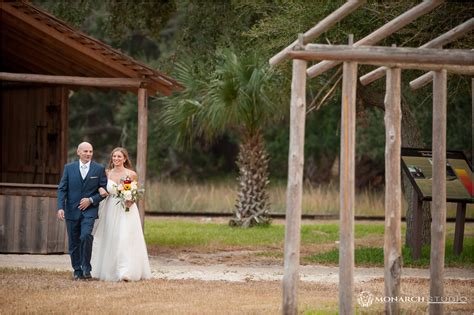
column 252, row 207
column 411, row 138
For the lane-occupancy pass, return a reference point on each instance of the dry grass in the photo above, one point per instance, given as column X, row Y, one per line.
column 219, row 197
column 171, row 196
column 38, row 291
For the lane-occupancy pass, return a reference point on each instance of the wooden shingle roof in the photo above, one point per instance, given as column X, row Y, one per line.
column 34, row 41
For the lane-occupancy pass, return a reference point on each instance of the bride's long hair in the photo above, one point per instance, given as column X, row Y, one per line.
column 127, row 163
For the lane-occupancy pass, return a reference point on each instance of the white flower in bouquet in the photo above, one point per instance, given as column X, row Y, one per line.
column 127, row 195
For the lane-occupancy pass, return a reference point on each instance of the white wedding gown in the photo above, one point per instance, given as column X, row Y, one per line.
column 119, row 250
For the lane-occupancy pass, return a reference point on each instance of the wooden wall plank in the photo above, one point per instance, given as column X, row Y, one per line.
column 4, row 227
column 42, row 224
column 14, row 221
column 64, row 126
column 24, row 216
column 53, row 226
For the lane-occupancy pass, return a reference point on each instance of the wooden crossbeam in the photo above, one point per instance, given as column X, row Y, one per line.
column 68, row 80
column 438, row 42
column 381, row 33
column 325, row 24
column 421, row 81
column 453, row 60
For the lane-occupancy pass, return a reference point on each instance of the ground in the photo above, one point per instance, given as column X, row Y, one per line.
column 196, row 281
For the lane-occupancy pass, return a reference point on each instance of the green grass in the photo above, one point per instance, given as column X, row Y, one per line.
column 465, row 259
column 269, row 240
column 187, row 233
column 373, row 256
column 325, row 309
column 364, row 256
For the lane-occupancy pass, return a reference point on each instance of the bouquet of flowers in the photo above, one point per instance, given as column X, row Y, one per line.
column 127, row 190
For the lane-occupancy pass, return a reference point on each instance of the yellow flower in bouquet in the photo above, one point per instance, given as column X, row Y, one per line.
column 127, row 190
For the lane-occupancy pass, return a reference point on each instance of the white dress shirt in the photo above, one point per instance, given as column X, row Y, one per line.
column 84, row 168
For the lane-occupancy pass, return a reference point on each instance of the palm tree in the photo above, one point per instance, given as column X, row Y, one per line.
column 234, row 98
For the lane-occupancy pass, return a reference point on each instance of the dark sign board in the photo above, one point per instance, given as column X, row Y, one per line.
column 418, row 163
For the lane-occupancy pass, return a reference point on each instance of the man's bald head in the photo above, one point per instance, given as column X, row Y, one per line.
column 85, row 152
column 84, row 144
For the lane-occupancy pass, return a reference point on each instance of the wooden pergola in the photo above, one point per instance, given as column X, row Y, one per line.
column 392, row 59
column 42, row 59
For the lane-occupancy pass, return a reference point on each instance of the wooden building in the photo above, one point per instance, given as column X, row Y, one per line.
column 42, row 59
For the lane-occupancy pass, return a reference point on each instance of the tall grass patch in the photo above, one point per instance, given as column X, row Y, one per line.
column 219, row 196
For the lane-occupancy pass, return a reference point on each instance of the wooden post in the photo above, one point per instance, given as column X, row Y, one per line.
column 347, row 188
column 459, row 228
column 417, row 226
column 393, row 191
column 438, row 224
column 142, row 137
column 295, row 188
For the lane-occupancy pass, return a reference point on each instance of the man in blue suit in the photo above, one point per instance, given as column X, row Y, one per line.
column 78, row 203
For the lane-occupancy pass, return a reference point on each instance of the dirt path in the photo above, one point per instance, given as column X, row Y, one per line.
column 170, row 268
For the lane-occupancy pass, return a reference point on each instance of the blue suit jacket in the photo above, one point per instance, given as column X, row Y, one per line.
column 72, row 188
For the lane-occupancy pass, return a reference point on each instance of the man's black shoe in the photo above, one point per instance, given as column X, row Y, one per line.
column 87, row 276
column 77, row 278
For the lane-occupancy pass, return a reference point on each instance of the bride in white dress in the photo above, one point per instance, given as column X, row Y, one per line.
column 119, row 251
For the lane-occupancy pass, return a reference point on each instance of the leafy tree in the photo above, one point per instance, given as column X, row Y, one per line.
column 234, row 99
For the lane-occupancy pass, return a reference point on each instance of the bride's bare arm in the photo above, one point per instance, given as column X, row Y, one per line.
column 134, row 175
column 103, row 192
